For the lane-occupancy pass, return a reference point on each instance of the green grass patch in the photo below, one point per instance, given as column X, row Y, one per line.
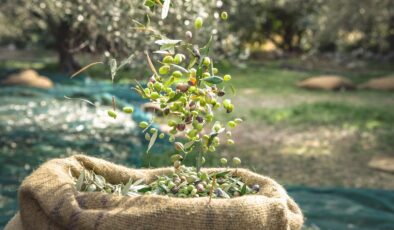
column 328, row 113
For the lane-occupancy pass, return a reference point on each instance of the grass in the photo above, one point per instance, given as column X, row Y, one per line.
column 326, row 113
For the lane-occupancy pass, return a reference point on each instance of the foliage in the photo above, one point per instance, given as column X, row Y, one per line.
column 284, row 23
column 367, row 25
column 106, row 26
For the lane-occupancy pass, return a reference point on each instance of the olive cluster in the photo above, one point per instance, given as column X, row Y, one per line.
column 186, row 182
column 189, row 90
column 189, row 101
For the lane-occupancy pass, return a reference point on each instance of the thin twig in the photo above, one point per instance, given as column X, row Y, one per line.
column 151, row 66
column 113, row 103
column 211, row 190
column 85, row 68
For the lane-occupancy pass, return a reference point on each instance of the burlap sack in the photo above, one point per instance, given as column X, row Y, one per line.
column 383, row 83
column 49, row 200
column 328, row 82
column 28, row 78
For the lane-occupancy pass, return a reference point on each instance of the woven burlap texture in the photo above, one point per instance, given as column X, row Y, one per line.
column 49, row 200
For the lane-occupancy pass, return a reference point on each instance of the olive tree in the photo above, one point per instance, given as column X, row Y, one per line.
column 106, row 26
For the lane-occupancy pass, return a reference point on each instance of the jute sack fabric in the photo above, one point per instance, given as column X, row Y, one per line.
column 49, row 200
column 326, row 82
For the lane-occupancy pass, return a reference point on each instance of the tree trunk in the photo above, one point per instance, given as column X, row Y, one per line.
column 63, row 34
column 67, row 62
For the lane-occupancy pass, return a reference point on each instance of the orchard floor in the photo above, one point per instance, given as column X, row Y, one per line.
column 298, row 137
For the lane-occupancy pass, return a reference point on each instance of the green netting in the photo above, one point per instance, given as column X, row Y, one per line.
column 341, row 208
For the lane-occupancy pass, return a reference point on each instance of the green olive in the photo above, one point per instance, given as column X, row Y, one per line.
column 205, row 75
column 223, row 161
column 177, row 74
column 112, row 114
column 231, row 124
column 128, row 109
column 238, row 120
column 168, row 59
column 224, row 15
column 143, row 124
column 206, row 61
column 164, row 69
column 178, row 58
column 198, row 23
column 236, row 161
column 230, row 141
column 154, row 95
column 227, row 77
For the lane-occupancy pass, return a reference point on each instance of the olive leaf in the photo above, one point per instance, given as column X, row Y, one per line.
column 126, row 188
column 80, row 180
column 126, row 61
column 145, row 189
column 192, row 62
column 243, row 190
column 199, row 150
column 213, row 80
column 222, row 174
column 81, row 99
column 233, row 89
column 149, row 3
column 166, row 47
column 162, row 42
column 205, row 50
column 113, row 68
column 189, row 144
column 165, row 52
column 174, row 98
column 152, row 141
column 166, row 7
column 147, row 20
column 99, row 181
column 180, row 68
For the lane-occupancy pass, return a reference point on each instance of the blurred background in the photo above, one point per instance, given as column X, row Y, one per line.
column 314, row 81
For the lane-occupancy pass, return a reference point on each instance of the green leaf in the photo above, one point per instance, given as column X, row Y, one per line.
column 189, row 144
column 126, row 188
column 147, row 20
column 99, row 181
column 213, row 135
column 145, row 189
column 213, row 80
column 113, row 67
column 149, row 3
column 152, row 141
column 169, row 82
column 167, row 42
column 205, row 50
column 163, row 187
column 166, row 47
column 222, row 174
column 233, row 89
column 179, row 68
column 192, row 62
column 176, row 97
column 126, row 61
column 199, row 150
column 80, row 180
column 166, row 7
column 138, row 182
column 243, row 190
